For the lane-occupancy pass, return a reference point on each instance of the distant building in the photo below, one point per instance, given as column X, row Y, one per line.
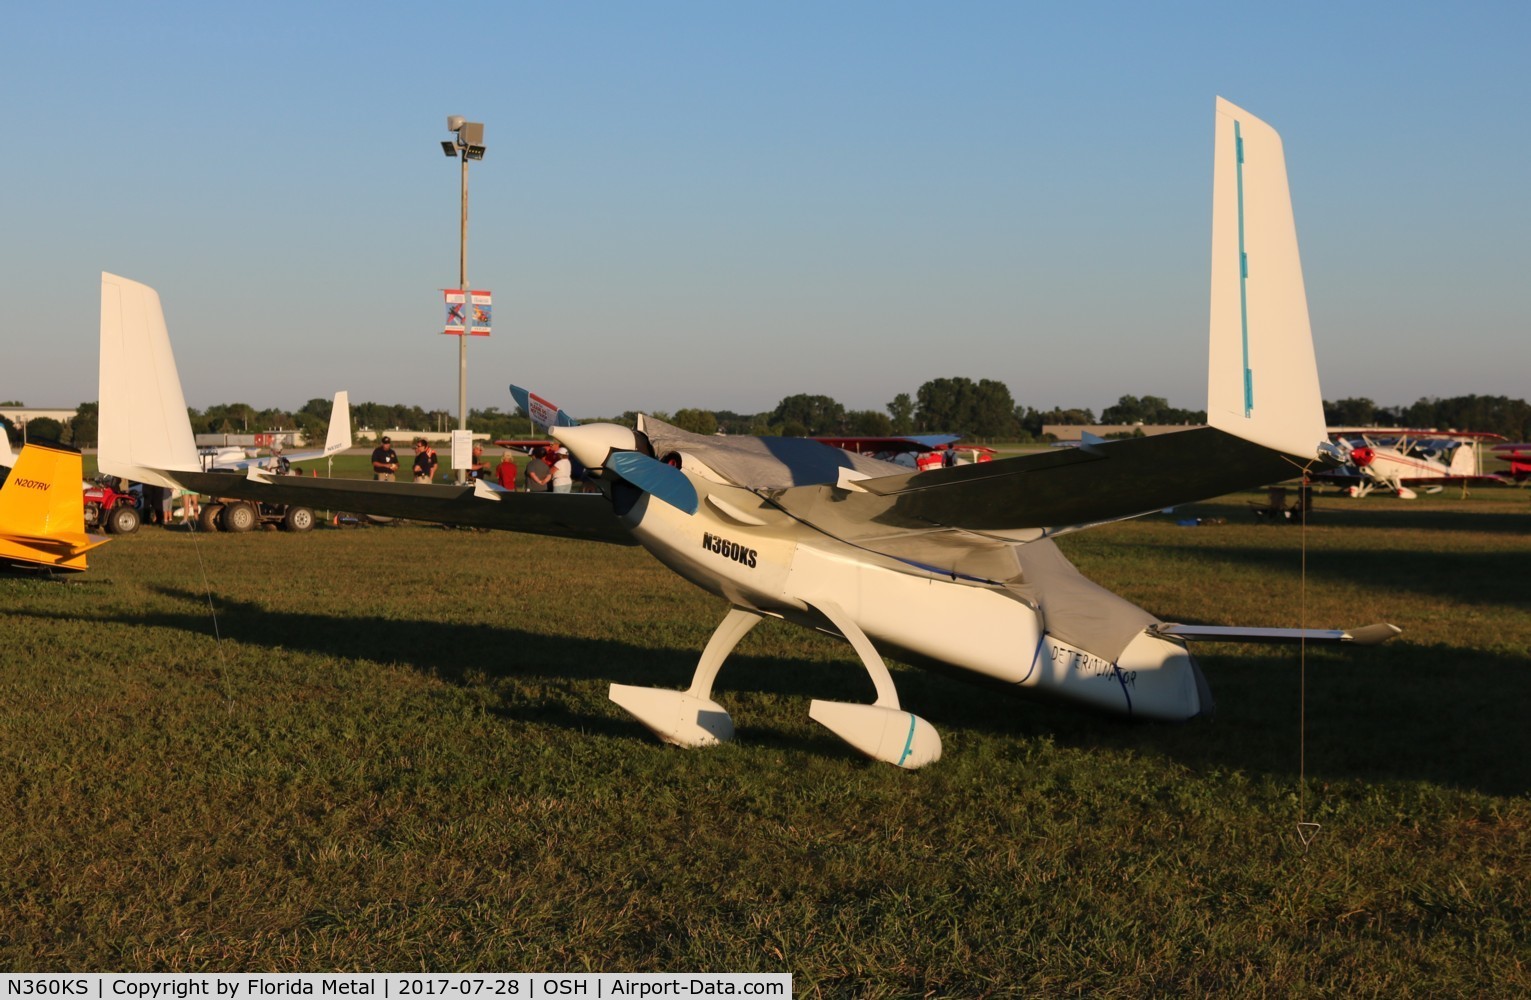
column 263, row 439
column 401, row 435
column 19, row 415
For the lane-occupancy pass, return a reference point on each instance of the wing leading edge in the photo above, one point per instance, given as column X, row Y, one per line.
column 564, row 515
column 1048, row 492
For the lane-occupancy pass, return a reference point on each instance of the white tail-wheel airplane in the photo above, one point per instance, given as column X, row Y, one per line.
column 867, row 550
column 1394, row 460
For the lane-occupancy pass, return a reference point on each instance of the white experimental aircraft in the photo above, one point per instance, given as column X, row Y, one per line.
column 867, row 550
column 234, row 458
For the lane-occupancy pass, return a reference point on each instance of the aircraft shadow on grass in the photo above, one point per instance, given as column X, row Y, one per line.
column 1372, row 715
column 1485, row 579
column 1387, row 514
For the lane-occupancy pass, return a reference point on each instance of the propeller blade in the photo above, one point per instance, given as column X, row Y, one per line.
column 655, row 478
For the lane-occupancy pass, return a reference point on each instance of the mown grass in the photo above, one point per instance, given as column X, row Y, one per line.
column 390, row 748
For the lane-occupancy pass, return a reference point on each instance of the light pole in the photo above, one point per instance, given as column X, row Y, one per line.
column 468, row 145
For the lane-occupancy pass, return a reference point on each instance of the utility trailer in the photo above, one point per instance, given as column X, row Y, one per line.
column 236, row 516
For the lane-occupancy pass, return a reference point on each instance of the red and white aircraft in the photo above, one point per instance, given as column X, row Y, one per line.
column 1395, row 460
column 915, row 451
column 1519, row 457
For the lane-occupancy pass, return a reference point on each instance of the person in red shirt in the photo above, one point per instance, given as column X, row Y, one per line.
column 505, row 472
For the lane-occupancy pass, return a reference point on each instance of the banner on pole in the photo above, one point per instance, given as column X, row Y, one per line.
column 456, row 311
column 483, row 307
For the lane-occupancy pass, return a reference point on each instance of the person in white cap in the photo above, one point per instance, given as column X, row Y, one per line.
column 563, row 472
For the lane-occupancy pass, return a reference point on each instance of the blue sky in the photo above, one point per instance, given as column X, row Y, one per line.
column 720, row 204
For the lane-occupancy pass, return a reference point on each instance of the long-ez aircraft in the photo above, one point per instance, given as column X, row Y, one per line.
column 867, row 550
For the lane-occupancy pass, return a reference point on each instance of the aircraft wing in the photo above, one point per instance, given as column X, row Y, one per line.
column 565, row 515
column 1366, row 635
column 1048, row 492
column 145, row 436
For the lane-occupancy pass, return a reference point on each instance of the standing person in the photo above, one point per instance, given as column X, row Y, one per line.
column 385, row 461
column 563, row 471
column 505, row 472
column 425, row 461
column 480, row 468
column 156, row 503
column 190, row 506
column 539, row 475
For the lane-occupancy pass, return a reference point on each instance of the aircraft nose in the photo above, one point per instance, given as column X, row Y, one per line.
column 591, row 443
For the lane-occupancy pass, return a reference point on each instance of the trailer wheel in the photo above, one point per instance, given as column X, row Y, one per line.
column 122, row 520
column 298, row 519
column 239, row 517
column 208, row 519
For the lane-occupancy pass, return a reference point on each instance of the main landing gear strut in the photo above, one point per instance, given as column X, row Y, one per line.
column 691, row 718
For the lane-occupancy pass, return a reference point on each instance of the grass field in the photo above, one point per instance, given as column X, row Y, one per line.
column 390, row 748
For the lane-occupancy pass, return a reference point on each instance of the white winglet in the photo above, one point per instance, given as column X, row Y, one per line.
column 1262, row 379
column 143, row 422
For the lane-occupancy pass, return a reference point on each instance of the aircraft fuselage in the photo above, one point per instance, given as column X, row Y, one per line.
column 783, row 568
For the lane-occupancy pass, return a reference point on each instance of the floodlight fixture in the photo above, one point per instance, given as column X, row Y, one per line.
column 449, row 148
column 473, row 152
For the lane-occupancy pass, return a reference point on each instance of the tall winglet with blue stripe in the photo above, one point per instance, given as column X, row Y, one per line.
column 1262, row 379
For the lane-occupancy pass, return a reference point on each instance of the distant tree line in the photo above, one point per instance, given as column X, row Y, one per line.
column 982, row 410
column 1487, row 414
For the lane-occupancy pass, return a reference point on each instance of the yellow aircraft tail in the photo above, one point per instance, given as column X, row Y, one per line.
column 42, row 512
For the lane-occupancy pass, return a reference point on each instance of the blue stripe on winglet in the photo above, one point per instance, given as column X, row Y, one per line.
column 1249, row 375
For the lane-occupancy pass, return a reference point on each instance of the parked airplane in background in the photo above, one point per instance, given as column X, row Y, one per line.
column 792, row 529
column 915, row 451
column 1519, row 457
column 1396, row 460
column 337, row 440
column 42, row 518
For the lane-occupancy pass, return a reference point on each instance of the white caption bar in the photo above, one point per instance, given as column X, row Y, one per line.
column 391, row 986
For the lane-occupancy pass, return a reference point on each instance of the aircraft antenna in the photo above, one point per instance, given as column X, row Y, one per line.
column 1306, row 829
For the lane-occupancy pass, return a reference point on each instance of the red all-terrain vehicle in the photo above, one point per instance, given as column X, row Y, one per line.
column 113, row 512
